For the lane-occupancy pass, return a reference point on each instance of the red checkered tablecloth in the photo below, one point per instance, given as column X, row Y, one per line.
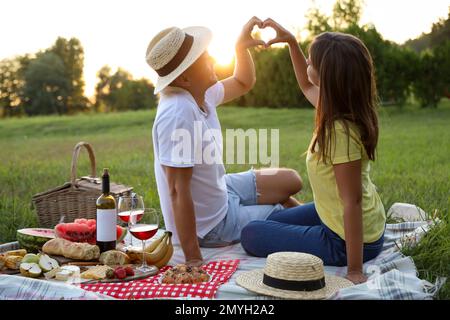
column 149, row 288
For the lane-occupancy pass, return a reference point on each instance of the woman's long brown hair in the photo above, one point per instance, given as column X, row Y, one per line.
column 347, row 90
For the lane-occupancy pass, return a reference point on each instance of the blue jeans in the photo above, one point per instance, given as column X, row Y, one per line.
column 300, row 229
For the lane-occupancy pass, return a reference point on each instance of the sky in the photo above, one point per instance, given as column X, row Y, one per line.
column 116, row 33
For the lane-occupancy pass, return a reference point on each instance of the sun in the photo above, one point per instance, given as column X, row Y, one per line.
column 223, row 56
column 222, row 52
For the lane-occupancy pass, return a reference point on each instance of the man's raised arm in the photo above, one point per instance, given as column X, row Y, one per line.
column 244, row 77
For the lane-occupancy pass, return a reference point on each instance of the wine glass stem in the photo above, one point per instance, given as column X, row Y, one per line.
column 144, row 262
column 130, row 242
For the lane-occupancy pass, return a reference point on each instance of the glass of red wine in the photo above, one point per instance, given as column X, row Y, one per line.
column 144, row 228
column 128, row 205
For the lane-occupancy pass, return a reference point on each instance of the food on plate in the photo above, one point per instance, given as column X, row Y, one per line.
column 96, row 273
column 66, row 272
column 160, row 254
column 182, row 273
column 129, row 270
column 20, row 252
column 46, row 263
column 72, row 250
column 30, row 258
column 2, row 262
column 114, row 257
column 110, row 274
column 32, row 265
column 120, row 273
column 84, row 230
column 62, row 273
column 32, row 239
column 31, row 270
column 13, row 262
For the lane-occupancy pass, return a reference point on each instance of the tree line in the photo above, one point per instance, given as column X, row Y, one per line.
column 51, row 81
column 412, row 71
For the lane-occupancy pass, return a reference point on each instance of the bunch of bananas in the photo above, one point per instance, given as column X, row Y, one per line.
column 158, row 253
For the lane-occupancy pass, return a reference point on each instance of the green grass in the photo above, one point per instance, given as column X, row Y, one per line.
column 412, row 166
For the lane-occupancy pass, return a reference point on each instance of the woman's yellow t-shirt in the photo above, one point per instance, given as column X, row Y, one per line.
column 327, row 201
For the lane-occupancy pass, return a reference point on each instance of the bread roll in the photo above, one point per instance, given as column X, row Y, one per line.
column 114, row 257
column 19, row 252
column 2, row 262
column 13, row 262
column 71, row 250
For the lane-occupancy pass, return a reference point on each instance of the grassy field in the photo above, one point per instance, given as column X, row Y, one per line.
column 413, row 163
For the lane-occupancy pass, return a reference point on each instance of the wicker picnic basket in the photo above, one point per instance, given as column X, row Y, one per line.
column 75, row 199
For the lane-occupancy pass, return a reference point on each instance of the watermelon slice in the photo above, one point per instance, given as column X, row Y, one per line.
column 32, row 239
column 83, row 230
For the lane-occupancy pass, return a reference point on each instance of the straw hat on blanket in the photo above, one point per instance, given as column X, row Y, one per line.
column 292, row 275
column 173, row 50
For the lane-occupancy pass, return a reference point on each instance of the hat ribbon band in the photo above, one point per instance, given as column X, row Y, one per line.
column 178, row 58
column 309, row 285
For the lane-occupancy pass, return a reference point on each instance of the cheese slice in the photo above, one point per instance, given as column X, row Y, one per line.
column 96, row 273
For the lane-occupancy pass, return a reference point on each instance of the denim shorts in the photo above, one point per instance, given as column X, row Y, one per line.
column 242, row 208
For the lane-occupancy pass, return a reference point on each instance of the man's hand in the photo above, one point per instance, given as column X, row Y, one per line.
column 194, row 263
column 245, row 39
column 283, row 35
column 356, row 277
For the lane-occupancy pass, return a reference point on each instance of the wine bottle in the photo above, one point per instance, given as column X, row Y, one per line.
column 106, row 217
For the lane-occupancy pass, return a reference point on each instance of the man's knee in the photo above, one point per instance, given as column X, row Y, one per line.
column 294, row 181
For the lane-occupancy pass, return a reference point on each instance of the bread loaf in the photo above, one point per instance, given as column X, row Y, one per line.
column 114, row 257
column 71, row 250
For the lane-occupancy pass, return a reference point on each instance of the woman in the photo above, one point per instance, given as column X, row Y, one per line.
column 345, row 223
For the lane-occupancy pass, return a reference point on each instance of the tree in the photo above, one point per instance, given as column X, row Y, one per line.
column 46, row 86
column 317, row 22
column 440, row 33
column 71, row 53
column 347, row 13
column 433, row 76
column 12, row 81
column 118, row 91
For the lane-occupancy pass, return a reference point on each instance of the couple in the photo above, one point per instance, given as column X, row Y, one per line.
column 205, row 207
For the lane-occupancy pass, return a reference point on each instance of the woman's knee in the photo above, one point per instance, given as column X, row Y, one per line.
column 250, row 237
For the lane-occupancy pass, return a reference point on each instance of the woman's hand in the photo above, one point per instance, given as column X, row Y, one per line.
column 245, row 39
column 283, row 35
column 356, row 277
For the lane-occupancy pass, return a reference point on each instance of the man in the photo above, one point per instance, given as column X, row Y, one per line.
column 201, row 204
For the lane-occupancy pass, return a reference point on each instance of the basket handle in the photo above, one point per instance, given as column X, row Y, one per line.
column 76, row 152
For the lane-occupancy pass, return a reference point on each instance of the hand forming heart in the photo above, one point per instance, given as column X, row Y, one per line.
column 246, row 41
column 282, row 35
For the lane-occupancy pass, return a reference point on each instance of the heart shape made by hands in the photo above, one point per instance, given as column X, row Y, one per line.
column 264, row 33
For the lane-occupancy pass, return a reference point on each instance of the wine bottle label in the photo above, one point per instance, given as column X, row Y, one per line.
column 106, row 225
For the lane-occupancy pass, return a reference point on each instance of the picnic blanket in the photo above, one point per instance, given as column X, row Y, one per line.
column 392, row 275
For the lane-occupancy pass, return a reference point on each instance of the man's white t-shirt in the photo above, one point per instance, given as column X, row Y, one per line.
column 184, row 136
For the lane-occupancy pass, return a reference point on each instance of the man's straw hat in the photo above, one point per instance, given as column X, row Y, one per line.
column 173, row 50
column 292, row 275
